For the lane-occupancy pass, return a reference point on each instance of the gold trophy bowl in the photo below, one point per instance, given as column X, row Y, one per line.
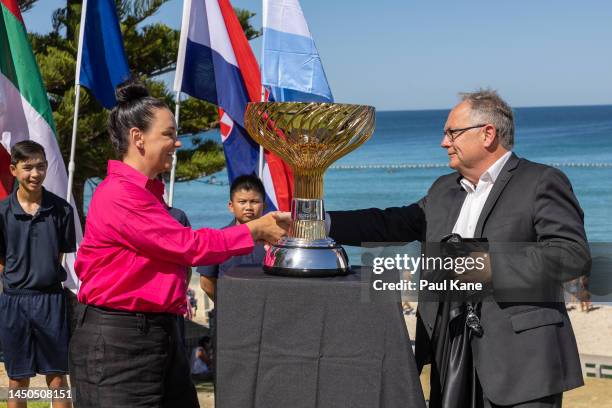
column 309, row 137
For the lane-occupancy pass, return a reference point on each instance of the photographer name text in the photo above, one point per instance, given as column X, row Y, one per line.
column 424, row 284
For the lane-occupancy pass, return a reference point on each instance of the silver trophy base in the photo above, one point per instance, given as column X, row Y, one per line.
column 292, row 257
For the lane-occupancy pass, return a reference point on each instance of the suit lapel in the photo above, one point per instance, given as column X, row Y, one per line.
column 502, row 180
column 457, row 197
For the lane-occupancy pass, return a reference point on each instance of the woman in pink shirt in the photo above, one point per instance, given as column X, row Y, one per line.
column 126, row 351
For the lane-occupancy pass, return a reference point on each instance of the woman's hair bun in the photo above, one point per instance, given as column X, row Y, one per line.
column 130, row 91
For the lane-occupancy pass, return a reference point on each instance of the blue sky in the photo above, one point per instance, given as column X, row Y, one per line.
column 409, row 54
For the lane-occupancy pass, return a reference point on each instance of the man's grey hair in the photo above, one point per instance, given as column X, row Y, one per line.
column 488, row 107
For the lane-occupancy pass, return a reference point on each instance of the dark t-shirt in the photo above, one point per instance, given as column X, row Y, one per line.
column 180, row 216
column 256, row 257
column 30, row 245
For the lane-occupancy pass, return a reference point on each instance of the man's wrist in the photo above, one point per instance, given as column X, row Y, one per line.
column 327, row 221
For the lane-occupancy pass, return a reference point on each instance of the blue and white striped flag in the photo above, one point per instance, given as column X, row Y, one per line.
column 291, row 66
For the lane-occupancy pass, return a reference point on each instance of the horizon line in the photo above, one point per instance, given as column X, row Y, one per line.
column 513, row 107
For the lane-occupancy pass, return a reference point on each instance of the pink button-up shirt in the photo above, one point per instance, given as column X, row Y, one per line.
column 133, row 255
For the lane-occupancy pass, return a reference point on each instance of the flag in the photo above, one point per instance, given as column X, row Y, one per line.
column 215, row 63
column 291, row 65
column 103, row 61
column 25, row 112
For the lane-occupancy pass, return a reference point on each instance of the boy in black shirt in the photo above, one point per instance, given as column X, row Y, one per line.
column 247, row 202
column 36, row 229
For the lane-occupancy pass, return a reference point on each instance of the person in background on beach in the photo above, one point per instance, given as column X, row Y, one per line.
column 126, row 350
column 201, row 360
column 585, row 295
column 494, row 353
column 192, row 303
column 36, row 229
column 572, row 291
column 247, row 203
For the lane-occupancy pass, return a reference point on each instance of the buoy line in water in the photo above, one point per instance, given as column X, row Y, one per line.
column 441, row 165
column 402, row 166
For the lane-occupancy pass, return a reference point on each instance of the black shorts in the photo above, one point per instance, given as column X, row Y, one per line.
column 123, row 359
column 34, row 332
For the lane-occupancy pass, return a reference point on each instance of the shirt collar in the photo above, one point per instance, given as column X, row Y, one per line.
column 127, row 172
column 45, row 204
column 488, row 176
column 15, row 206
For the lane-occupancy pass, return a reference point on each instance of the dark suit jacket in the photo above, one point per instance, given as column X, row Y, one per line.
column 528, row 350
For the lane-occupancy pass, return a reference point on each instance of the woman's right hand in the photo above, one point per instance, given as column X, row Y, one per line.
column 271, row 227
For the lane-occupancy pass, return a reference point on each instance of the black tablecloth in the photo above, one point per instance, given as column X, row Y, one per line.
column 310, row 342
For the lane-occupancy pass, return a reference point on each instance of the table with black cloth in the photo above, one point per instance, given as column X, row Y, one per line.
column 310, row 342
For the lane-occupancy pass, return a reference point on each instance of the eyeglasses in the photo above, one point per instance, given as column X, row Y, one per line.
column 453, row 134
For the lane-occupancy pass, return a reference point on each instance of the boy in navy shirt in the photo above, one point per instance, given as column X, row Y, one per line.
column 36, row 229
column 247, row 202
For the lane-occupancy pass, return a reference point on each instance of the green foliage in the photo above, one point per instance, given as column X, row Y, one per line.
column 244, row 16
column 31, row 404
column 25, row 5
column 208, row 156
column 151, row 50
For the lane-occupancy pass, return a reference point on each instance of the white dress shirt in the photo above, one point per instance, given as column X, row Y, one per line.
column 476, row 198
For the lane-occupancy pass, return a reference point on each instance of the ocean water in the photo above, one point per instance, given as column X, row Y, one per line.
column 576, row 139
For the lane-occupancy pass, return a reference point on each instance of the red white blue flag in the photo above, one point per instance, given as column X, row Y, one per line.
column 216, row 64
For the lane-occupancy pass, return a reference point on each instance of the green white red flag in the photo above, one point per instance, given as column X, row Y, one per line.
column 25, row 112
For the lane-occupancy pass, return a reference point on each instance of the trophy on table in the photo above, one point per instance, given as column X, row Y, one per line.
column 309, row 137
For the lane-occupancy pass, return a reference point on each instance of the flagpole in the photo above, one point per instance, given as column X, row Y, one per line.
column 178, row 86
column 261, row 149
column 264, row 5
column 77, row 100
column 177, row 110
column 71, row 164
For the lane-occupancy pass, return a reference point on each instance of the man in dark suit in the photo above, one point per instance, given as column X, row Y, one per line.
column 524, row 353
